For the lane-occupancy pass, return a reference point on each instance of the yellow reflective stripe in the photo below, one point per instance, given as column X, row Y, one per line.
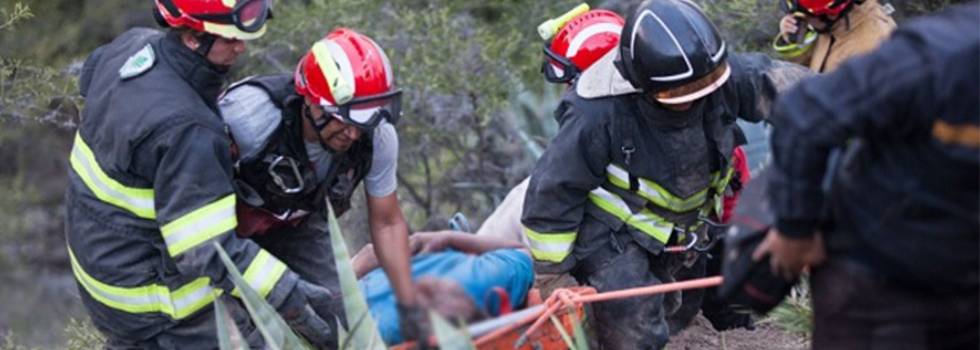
column 646, row 221
column 183, row 302
column 200, row 225
column 654, row 192
column 230, row 31
column 139, row 201
column 262, row 274
column 720, row 186
column 551, row 246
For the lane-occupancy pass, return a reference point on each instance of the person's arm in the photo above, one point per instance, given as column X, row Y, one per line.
column 195, row 206
column 573, row 165
column 896, row 90
column 468, row 243
column 756, row 81
column 390, row 236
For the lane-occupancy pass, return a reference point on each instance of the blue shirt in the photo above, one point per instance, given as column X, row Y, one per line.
column 509, row 269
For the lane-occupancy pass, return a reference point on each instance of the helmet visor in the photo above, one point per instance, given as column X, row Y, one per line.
column 558, row 69
column 696, row 89
column 248, row 15
column 367, row 112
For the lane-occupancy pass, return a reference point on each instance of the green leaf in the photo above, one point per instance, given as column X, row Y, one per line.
column 229, row 337
column 580, row 341
column 448, row 336
column 278, row 335
column 365, row 335
column 564, row 334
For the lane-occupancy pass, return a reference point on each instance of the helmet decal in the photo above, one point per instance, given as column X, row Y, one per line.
column 340, row 85
column 588, row 33
column 636, row 26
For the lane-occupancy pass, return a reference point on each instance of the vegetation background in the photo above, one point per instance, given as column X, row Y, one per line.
column 476, row 112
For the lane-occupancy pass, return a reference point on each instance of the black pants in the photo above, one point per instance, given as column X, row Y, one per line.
column 854, row 309
column 637, row 323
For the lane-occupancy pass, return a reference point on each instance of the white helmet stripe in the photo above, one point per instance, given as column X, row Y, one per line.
column 389, row 74
column 343, row 63
column 588, row 33
column 636, row 26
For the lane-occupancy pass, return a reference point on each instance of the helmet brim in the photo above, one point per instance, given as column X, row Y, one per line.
column 702, row 87
column 230, row 31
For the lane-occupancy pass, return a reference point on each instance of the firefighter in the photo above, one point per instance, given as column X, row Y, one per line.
column 301, row 139
column 629, row 190
column 150, row 192
column 822, row 34
column 900, row 267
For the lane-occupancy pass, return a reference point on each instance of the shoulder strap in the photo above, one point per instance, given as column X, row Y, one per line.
column 279, row 87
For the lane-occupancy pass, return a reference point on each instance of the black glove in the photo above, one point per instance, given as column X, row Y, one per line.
column 307, row 310
column 414, row 325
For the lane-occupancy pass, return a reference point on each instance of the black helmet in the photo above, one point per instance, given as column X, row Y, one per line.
column 670, row 48
column 750, row 283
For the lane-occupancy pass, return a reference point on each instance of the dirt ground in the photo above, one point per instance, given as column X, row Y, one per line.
column 766, row 336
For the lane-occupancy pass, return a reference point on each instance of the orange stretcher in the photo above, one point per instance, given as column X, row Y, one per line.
column 503, row 333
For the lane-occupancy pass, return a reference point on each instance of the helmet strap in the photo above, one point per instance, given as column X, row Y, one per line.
column 207, row 41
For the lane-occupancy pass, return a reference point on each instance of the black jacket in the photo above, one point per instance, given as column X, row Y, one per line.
column 906, row 199
column 151, row 189
column 584, row 187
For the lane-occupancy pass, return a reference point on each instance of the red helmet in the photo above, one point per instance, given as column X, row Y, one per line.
column 580, row 43
column 817, row 7
column 232, row 19
column 349, row 76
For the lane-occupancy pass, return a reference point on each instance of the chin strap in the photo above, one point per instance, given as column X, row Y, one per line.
column 207, row 41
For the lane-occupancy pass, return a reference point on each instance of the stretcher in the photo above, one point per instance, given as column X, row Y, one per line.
column 504, row 332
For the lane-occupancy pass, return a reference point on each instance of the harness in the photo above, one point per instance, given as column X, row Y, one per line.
column 279, row 180
column 701, row 235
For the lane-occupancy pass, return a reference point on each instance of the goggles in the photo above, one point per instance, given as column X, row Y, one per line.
column 793, row 6
column 247, row 15
column 365, row 113
column 557, row 68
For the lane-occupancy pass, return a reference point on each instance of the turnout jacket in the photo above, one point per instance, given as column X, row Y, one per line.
column 860, row 31
column 621, row 162
column 150, row 190
column 904, row 201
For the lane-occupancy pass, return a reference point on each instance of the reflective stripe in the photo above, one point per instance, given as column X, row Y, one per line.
column 179, row 304
column 553, row 247
column 262, row 274
column 139, row 201
column 720, row 186
column 200, row 225
column 645, row 220
column 654, row 192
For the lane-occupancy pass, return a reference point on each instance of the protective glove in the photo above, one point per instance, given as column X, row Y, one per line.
column 307, row 311
column 414, row 325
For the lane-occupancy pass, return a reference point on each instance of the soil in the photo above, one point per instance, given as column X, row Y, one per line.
column 766, row 336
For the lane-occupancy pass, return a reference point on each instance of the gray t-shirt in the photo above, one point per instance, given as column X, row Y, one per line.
column 252, row 117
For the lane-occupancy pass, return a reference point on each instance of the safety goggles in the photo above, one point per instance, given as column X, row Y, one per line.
column 364, row 113
column 247, row 15
column 557, row 68
column 793, row 6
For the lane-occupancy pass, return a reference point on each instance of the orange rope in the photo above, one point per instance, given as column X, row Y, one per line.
column 568, row 298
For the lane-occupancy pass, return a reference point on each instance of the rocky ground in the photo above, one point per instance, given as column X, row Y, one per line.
column 766, row 336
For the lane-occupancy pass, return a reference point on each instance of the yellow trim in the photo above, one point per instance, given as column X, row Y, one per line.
column 555, row 257
column 661, row 197
column 254, row 274
column 646, row 221
column 100, row 179
column 230, row 31
column 148, row 298
column 341, row 90
column 212, row 226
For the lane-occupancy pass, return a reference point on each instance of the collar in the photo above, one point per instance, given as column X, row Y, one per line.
column 204, row 77
column 603, row 79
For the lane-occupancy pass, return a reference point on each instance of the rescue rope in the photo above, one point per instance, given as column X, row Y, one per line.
column 570, row 299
